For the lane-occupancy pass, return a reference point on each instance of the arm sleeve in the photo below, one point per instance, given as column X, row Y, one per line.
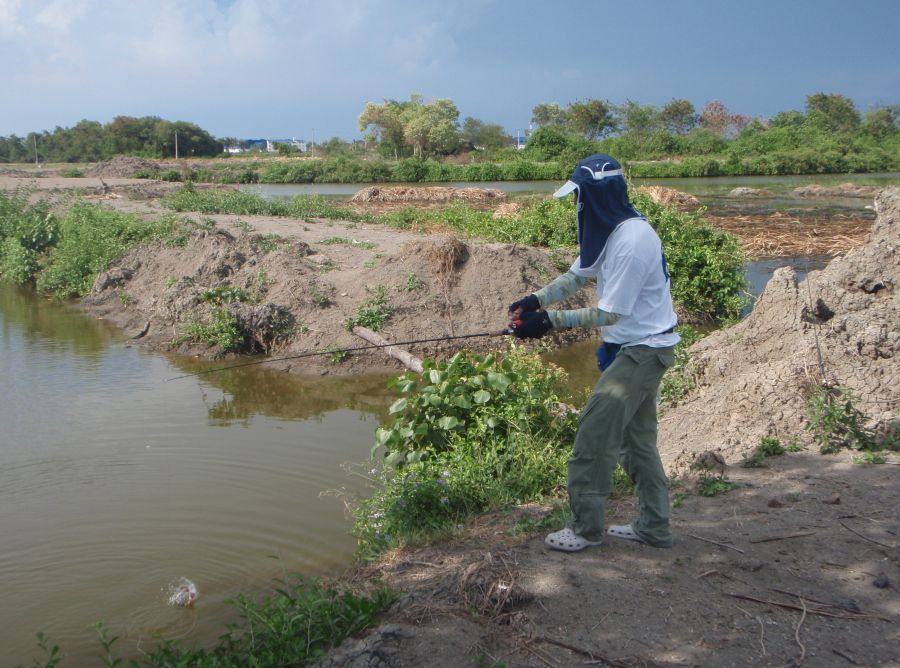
column 582, row 317
column 560, row 288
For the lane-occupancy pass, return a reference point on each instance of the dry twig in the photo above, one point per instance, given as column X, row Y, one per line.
column 707, row 540
column 802, row 657
column 871, row 540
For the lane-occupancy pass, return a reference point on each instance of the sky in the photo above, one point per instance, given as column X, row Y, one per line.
column 307, row 68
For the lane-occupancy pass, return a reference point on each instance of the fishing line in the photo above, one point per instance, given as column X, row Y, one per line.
column 332, row 351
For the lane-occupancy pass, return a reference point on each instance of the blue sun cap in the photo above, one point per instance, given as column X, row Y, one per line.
column 602, row 203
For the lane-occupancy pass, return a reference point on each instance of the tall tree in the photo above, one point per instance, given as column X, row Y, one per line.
column 832, row 113
column 548, row 115
column 385, row 123
column 678, row 117
column 591, row 118
column 487, row 136
column 637, row 118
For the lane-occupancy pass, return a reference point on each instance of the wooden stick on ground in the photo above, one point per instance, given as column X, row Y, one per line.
column 871, row 540
column 707, row 540
column 409, row 360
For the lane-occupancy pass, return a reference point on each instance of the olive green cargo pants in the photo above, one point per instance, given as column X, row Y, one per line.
column 619, row 424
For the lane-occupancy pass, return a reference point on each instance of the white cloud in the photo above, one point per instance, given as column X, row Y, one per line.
column 9, row 11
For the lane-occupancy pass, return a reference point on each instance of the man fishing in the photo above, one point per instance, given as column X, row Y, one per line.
column 621, row 251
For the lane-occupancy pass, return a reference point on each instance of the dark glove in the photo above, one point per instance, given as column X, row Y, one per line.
column 525, row 305
column 532, row 325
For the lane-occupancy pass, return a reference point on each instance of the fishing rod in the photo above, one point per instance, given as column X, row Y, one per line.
column 332, row 351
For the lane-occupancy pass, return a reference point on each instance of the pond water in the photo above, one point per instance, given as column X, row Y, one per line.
column 713, row 192
column 114, row 482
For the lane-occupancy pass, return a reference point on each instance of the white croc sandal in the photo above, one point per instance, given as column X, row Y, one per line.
column 568, row 541
column 624, row 531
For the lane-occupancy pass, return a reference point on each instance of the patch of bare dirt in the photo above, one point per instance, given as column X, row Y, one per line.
column 427, row 194
column 780, row 571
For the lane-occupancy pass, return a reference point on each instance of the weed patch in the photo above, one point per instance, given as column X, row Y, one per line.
column 372, row 313
column 714, row 485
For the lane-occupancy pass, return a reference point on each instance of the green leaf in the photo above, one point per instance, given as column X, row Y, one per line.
column 382, row 436
column 398, row 406
column 498, row 381
column 394, row 458
column 435, row 400
column 436, row 376
column 481, row 397
column 462, row 402
column 415, row 456
column 448, row 423
column 492, row 421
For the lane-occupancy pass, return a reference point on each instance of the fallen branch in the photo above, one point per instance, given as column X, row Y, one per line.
column 773, row 538
column 844, row 656
column 812, row 611
column 410, row 361
column 707, row 540
column 871, row 540
column 594, row 656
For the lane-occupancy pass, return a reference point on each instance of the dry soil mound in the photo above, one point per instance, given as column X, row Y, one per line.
column 426, row 194
column 317, row 279
column 670, row 197
column 121, row 166
column 754, row 379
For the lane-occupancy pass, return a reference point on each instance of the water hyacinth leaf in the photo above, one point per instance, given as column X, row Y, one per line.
column 481, row 397
column 395, row 458
column 398, row 406
column 436, row 376
column 498, row 381
column 435, row 400
column 415, row 456
column 462, row 402
column 406, row 386
column 382, row 436
column 492, row 421
column 486, row 364
column 447, row 423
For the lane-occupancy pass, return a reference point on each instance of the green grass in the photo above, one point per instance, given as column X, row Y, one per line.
column 714, row 485
column 372, row 313
column 769, row 446
column 295, row 625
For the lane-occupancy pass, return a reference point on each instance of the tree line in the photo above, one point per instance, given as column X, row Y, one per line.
column 676, row 139
column 90, row 141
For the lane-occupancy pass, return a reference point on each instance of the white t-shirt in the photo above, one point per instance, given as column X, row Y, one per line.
column 632, row 284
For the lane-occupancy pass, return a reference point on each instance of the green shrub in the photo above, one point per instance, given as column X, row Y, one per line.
column 223, row 330
column 769, row 446
column 372, row 313
column 714, row 485
column 835, row 421
column 468, row 435
column 27, row 231
column 90, row 237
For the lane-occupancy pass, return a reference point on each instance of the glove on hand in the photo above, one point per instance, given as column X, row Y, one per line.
column 525, row 305
column 532, row 325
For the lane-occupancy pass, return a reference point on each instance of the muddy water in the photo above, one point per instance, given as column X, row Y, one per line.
column 114, row 482
column 713, row 192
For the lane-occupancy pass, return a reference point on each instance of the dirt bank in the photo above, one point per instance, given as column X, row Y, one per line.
column 320, row 273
